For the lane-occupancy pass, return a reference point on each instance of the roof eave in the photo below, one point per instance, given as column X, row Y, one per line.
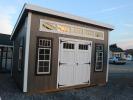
column 60, row 14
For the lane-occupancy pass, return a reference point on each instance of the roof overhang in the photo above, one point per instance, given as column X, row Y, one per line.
column 30, row 7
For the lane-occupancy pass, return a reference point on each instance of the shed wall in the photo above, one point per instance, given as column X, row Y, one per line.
column 49, row 82
column 18, row 75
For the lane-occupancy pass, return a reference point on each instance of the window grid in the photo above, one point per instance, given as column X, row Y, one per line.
column 99, row 58
column 44, row 56
column 83, row 47
column 68, row 45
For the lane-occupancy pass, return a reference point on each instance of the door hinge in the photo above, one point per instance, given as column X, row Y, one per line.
column 87, row 81
column 90, row 44
column 60, row 85
column 87, row 63
column 62, row 41
column 61, row 63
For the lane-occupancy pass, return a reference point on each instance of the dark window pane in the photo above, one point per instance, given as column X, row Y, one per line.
column 40, row 42
column 47, row 51
column 46, row 63
column 46, row 69
column 68, row 46
column 72, row 46
column 83, row 47
column 41, row 51
column 46, row 57
column 48, row 43
column 9, row 55
column 41, row 63
column 41, row 57
column 41, row 69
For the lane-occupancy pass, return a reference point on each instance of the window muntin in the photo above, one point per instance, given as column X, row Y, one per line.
column 83, row 47
column 68, row 45
column 99, row 57
column 44, row 43
column 44, row 56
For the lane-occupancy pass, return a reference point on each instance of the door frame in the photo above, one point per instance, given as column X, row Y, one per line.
column 59, row 53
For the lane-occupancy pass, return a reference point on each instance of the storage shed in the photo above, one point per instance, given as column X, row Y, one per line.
column 54, row 50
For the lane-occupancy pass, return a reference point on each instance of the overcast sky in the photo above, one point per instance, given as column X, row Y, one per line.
column 118, row 13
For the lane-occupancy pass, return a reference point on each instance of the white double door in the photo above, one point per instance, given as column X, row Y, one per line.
column 74, row 62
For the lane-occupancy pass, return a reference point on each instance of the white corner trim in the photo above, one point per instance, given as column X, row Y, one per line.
column 107, row 72
column 27, row 53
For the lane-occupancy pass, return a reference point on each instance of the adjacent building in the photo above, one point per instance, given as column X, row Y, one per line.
column 6, row 51
column 55, row 50
column 115, row 51
column 129, row 54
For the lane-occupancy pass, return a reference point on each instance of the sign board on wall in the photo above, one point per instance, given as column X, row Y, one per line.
column 61, row 28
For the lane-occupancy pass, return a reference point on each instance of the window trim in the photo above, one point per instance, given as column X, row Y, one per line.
column 99, row 70
column 37, row 56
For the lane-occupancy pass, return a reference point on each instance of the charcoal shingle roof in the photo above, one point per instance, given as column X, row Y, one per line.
column 5, row 39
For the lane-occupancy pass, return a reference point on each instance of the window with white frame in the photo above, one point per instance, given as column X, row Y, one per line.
column 44, row 56
column 99, row 57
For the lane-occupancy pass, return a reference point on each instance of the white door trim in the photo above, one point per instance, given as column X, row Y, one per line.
column 76, row 40
column 25, row 80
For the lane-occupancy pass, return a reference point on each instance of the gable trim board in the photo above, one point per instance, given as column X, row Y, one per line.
column 27, row 53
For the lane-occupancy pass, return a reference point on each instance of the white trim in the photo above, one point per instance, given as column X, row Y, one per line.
column 107, row 71
column 27, row 52
column 42, row 21
column 39, row 73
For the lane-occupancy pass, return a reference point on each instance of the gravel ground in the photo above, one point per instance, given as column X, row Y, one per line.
column 119, row 87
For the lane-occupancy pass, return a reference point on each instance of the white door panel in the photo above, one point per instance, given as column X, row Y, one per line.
column 66, row 75
column 74, row 67
column 82, row 74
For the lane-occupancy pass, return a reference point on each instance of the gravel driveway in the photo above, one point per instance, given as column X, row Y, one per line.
column 119, row 87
